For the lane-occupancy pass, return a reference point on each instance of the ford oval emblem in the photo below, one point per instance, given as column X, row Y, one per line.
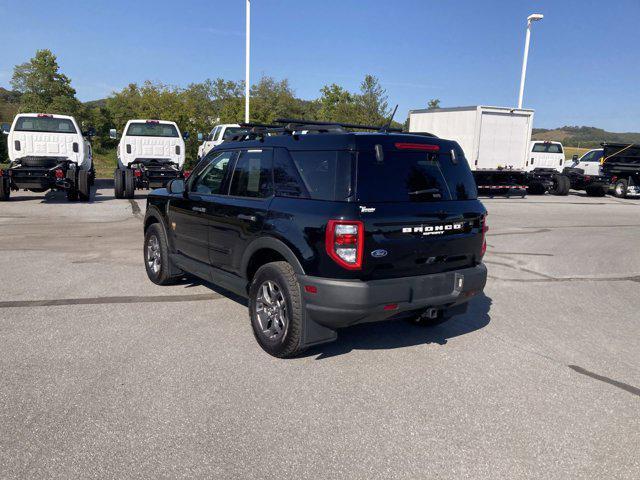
column 379, row 253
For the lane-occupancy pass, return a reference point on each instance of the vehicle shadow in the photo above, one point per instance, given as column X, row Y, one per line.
column 381, row 335
column 399, row 334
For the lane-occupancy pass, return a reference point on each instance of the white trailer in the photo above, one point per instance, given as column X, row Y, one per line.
column 496, row 142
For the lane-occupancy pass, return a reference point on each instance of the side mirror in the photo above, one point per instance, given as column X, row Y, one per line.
column 575, row 158
column 113, row 134
column 200, row 136
column 176, row 186
column 5, row 128
column 185, row 135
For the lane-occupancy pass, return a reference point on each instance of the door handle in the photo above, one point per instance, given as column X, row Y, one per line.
column 251, row 218
column 199, row 209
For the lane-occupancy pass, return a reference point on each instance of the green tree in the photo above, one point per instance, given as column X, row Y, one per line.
column 43, row 88
column 433, row 104
column 372, row 102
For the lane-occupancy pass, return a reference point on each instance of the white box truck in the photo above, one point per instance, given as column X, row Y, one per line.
column 497, row 144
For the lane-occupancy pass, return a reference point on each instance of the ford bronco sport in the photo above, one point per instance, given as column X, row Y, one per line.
column 322, row 228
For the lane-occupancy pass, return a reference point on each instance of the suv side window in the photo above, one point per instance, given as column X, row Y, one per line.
column 210, row 179
column 252, row 175
column 286, row 178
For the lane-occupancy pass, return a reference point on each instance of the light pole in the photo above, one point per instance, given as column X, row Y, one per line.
column 247, row 56
column 530, row 19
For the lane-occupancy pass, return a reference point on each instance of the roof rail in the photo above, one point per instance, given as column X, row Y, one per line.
column 304, row 123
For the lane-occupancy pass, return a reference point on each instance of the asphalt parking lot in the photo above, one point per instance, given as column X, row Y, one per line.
column 106, row 375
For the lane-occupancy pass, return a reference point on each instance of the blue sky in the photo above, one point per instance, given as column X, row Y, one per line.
column 584, row 64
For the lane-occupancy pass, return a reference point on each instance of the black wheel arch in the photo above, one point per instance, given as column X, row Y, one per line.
column 270, row 249
column 154, row 215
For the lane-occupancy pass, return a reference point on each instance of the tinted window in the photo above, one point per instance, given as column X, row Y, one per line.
column 233, row 131
column 414, row 177
column 151, row 129
column 44, row 124
column 597, row 156
column 588, row 157
column 325, row 175
column 287, row 180
column 210, row 179
column 252, row 174
column 547, row 148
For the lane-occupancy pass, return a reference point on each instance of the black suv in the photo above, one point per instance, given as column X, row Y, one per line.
column 323, row 228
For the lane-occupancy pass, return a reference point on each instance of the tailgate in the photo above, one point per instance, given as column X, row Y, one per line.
column 406, row 239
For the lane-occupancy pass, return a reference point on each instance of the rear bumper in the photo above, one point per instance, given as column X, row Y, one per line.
column 340, row 303
column 35, row 178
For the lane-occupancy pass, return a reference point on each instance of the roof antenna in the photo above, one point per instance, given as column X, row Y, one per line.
column 385, row 128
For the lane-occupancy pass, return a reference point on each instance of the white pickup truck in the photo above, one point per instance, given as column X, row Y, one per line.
column 150, row 153
column 219, row 134
column 546, row 155
column 47, row 152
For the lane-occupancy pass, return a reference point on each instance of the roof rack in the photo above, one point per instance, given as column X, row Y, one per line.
column 313, row 123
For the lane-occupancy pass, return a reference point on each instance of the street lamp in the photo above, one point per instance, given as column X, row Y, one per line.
column 530, row 19
column 247, row 52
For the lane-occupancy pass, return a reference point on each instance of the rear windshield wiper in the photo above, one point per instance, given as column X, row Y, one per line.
column 428, row 190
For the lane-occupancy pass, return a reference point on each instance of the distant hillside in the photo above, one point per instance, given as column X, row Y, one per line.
column 587, row 137
column 96, row 103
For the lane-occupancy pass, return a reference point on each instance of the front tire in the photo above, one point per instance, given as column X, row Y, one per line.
column 596, row 190
column 620, row 188
column 276, row 311
column 156, row 256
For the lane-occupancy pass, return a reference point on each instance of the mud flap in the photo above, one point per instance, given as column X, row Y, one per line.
column 314, row 333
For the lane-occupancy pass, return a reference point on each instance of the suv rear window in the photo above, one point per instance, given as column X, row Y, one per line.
column 547, row 148
column 44, row 124
column 152, row 129
column 414, row 177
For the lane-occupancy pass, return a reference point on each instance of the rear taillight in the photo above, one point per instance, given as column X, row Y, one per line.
column 45, row 115
column 186, row 174
column 59, row 173
column 344, row 242
column 137, row 173
column 485, row 228
column 417, row 146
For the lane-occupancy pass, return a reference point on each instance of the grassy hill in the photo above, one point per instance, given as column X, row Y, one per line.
column 585, row 137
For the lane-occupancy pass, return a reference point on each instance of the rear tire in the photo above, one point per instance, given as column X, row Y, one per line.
column 620, row 188
column 5, row 190
column 129, row 183
column 84, row 188
column 72, row 193
column 561, row 185
column 157, row 261
column 276, row 311
column 118, row 183
column 596, row 190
